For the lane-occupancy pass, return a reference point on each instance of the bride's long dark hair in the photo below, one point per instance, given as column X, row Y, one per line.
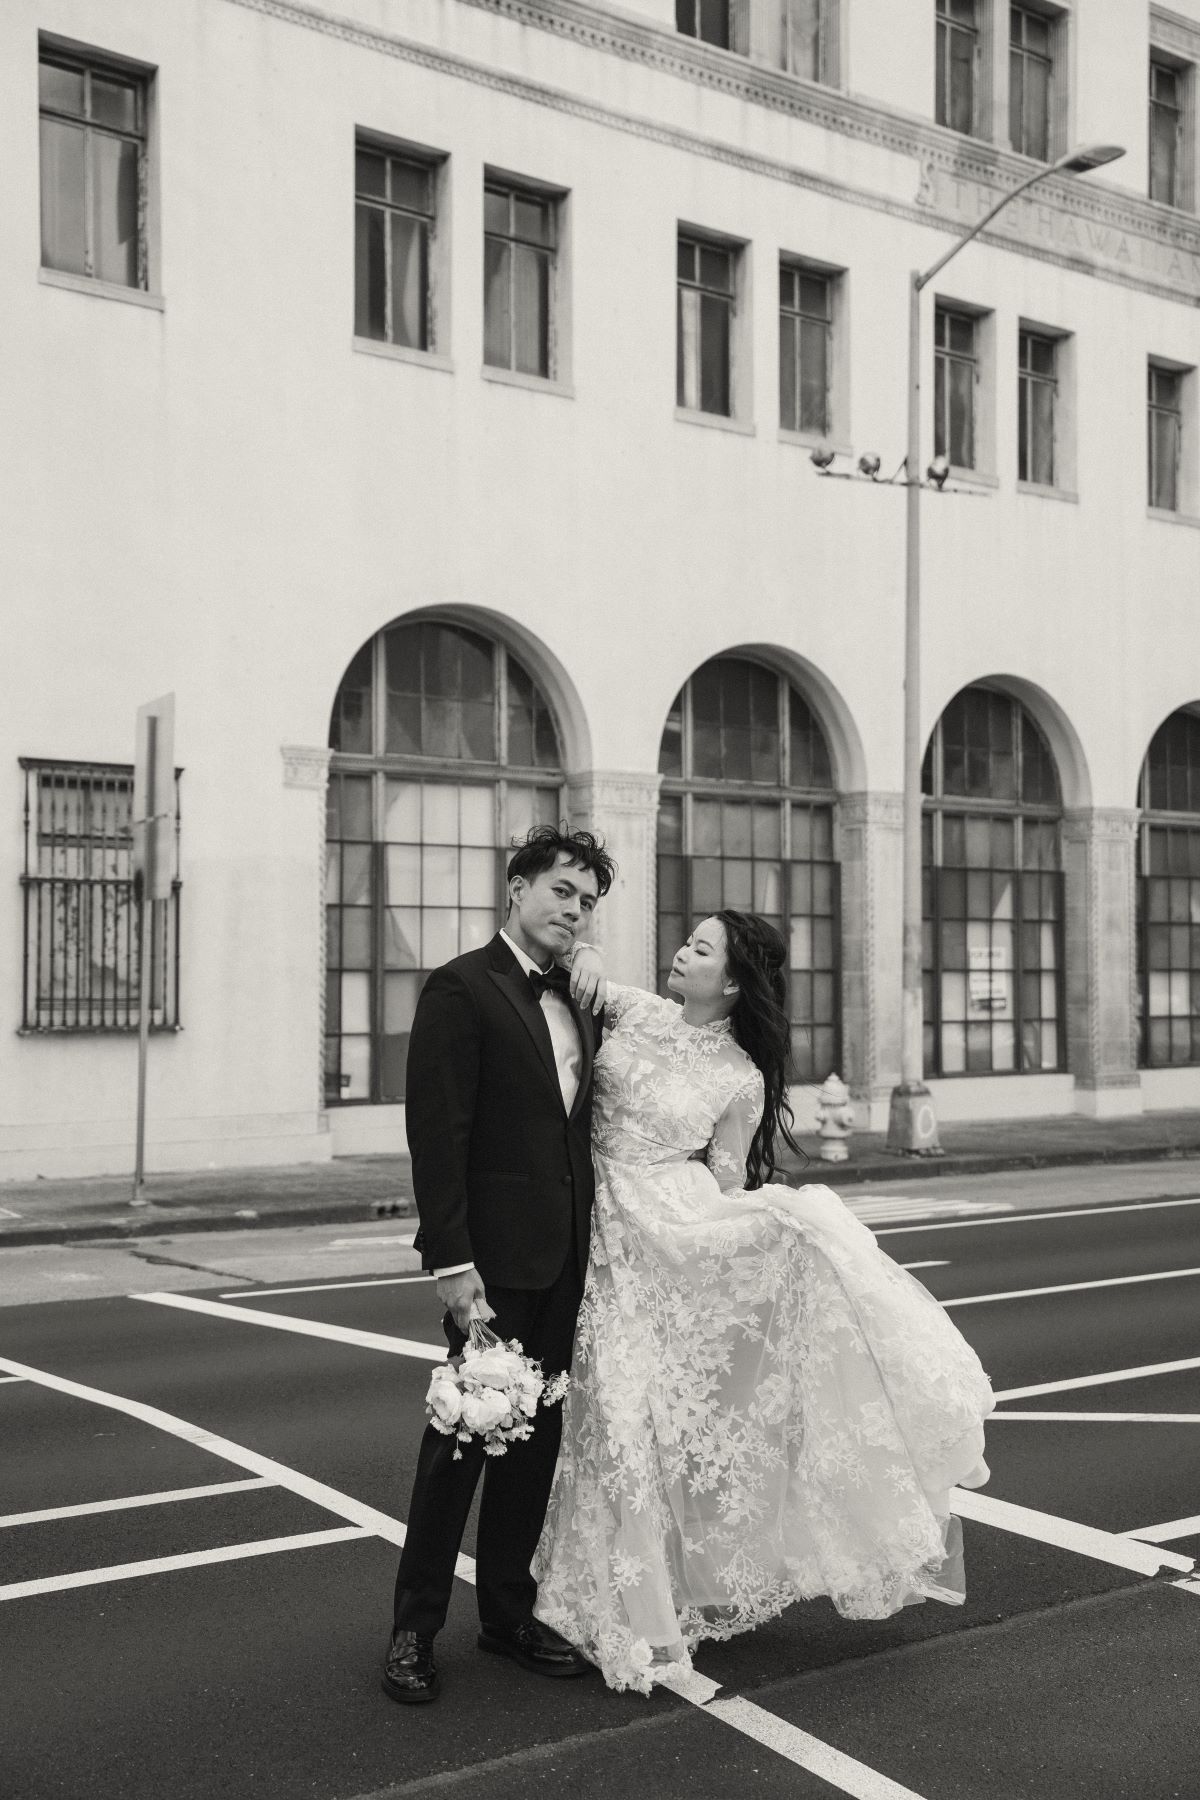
column 756, row 956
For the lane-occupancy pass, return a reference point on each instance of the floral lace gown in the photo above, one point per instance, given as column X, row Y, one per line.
column 764, row 1406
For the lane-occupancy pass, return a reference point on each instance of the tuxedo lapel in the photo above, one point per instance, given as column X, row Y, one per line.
column 514, row 985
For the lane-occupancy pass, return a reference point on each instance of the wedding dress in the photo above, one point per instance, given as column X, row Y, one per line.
column 764, row 1407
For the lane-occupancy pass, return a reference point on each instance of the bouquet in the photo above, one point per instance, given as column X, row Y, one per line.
column 492, row 1391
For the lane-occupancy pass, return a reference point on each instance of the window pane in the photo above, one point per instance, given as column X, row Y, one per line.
column 370, row 172
column 497, row 319
column 716, row 269
column 409, row 281
column 115, row 220
column 61, row 88
column 814, row 376
column 63, row 231
column 1041, row 461
column 789, row 386
column 531, row 220
column 531, row 304
column 477, row 813
column 411, row 184
column 961, row 414
column 403, row 871
column 714, row 355
column 369, row 273
column 439, row 875
column 439, row 813
column 114, row 103
column 802, row 28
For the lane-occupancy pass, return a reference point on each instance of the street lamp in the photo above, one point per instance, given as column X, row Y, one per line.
column 912, row 1122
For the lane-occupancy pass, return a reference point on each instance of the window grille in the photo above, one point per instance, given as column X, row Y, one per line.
column 958, row 42
column 1168, row 923
column 92, row 117
column 1164, row 436
column 519, row 249
column 444, row 749
column 706, row 277
column 393, row 231
column 746, row 819
column 993, row 892
column 1036, row 397
column 805, row 348
column 80, row 921
column 1030, row 82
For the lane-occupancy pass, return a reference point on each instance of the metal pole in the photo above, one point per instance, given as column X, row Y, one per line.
column 912, row 1124
column 144, row 934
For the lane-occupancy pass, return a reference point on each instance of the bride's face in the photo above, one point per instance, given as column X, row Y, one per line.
column 700, row 971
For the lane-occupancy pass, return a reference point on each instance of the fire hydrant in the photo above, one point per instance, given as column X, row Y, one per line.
column 835, row 1119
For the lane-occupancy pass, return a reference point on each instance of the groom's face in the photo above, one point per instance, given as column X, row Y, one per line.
column 549, row 910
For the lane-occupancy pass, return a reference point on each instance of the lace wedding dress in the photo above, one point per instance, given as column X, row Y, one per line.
column 764, row 1407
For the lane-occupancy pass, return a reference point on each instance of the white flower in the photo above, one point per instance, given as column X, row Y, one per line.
column 482, row 1411
column 495, row 1367
column 444, row 1398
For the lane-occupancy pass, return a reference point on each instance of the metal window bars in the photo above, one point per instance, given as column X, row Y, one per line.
column 80, row 966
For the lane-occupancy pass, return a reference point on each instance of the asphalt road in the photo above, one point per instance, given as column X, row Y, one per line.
column 1066, row 1673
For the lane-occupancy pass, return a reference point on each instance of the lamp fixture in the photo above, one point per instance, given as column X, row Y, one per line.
column 821, row 457
column 937, row 472
column 868, row 464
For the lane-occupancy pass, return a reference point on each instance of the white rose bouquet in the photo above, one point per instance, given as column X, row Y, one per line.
column 492, row 1392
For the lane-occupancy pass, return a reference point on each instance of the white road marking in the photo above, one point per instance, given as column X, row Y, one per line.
column 338, row 1334
column 899, row 1206
column 161, row 1565
column 343, row 1506
column 843, row 1772
column 12, row 1378
column 1103, row 1418
column 1163, row 1534
column 1029, row 1218
column 943, row 1264
column 1072, row 1287
column 135, row 1500
column 325, row 1287
column 1067, row 1534
column 1189, row 1587
column 401, row 1238
column 6, row 1212
column 1086, row 1381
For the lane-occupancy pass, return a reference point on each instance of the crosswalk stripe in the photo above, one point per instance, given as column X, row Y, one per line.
column 135, row 1500
column 338, row 1334
column 162, row 1565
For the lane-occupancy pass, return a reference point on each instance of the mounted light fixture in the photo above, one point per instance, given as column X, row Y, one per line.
column 822, row 456
column 868, row 464
column 937, row 471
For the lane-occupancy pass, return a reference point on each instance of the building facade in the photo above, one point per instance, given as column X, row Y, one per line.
column 425, row 395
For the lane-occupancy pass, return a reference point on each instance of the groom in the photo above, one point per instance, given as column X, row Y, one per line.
column 499, row 1105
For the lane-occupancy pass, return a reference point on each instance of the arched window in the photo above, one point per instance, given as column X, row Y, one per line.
column 443, row 748
column 746, row 819
column 1169, row 894
column 993, row 892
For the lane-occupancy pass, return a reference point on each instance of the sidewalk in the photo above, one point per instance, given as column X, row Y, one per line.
column 354, row 1189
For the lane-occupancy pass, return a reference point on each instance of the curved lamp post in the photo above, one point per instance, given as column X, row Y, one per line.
column 912, row 1122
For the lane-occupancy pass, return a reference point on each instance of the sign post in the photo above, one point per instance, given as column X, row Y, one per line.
column 153, row 826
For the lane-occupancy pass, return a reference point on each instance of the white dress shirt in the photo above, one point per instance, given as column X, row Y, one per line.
column 568, row 1052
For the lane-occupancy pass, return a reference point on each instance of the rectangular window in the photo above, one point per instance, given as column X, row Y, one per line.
column 704, row 342
column 1037, row 399
column 1164, row 435
column 92, row 120
column 805, row 349
column 955, row 377
column 709, row 20
column 519, row 251
column 80, row 923
column 1030, row 82
column 958, row 42
column 809, row 39
column 394, row 221
column 1166, row 130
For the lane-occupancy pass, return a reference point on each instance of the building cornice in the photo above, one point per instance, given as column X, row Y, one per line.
column 1171, row 31
column 1089, row 227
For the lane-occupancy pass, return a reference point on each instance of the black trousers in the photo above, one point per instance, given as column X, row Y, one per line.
column 516, row 1486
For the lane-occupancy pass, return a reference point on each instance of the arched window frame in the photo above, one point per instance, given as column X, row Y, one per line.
column 807, row 827
column 404, row 828
column 1168, row 900
column 1025, row 850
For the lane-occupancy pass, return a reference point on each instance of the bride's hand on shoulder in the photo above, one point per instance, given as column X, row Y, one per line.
column 589, row 987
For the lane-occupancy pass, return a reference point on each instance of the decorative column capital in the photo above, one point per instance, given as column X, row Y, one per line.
column 305, row 766
column 1100, row 824
column 873, row 807
column 613, row 791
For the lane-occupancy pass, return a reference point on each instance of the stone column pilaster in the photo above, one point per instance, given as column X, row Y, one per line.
column 307, row 767
column 622, row 806
column 1099, row 863
column 871, row 827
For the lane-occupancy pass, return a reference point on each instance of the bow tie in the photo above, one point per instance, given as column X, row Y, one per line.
column 554, row 981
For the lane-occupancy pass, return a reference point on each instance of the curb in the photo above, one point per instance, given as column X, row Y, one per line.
column 119, row 1229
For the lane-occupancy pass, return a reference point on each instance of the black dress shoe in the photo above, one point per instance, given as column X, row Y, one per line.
column 535, row 1646
column 410, row 1673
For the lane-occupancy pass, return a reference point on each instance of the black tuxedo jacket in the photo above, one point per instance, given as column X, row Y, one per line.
column 500, row 1170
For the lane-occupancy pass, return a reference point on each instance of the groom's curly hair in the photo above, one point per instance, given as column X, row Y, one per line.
column 541, row 848
column 756, row 956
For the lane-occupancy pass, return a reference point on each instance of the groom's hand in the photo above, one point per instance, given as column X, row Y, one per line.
column 589, row 988
column 460, row 1293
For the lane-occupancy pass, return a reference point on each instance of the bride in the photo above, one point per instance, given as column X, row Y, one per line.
column 764, row 1407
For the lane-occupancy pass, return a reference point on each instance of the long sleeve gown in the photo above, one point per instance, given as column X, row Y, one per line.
column 764, row 1407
